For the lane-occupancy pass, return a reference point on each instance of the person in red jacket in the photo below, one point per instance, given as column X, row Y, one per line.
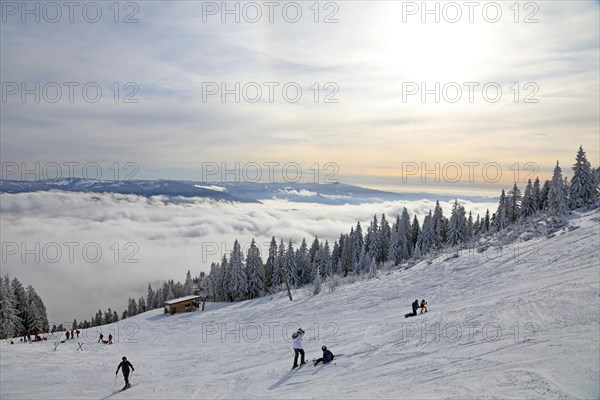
column 110, row 338
column 67, row 333
column 423, row 306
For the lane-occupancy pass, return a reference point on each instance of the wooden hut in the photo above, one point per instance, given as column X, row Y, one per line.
column 182, row 304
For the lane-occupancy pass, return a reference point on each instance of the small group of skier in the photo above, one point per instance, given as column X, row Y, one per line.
column 416, row 306
column 109, row 341
column 71, row 335
column 299, row 351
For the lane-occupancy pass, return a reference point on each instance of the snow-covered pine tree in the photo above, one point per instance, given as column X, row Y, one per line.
column 317, row 265
column 159, row 298
column 314, row 247
column 415, row 230
column 317, row 280
column 141, row 306
column 346, row 257
column 150, row 298
column 304, row 266
column 170, row 293
column 458, row 225
column 426, row 240
column 358, row 243
column 291, row 266
column 394, row 252
column 438, row 225
column 583, row 189
column 10, row 322
column 536, row 194
column 557, row 196
column 470, row 227
column 544, row 192
column 405, row 235
column 238, row 284
column 384, row 239
column 327, row 261
column 225, row 279
column 501, row 219
column 40, row 316
column 254, row 269
column 188, row 286
column 279, row 267
column 374, row 240
column 270, row 264
column 528, row 206
column 514, row 204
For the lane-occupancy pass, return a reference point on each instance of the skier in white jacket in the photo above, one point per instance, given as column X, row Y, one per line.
column 297, row 336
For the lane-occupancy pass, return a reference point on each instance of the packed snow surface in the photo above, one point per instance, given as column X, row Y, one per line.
column 522, row 322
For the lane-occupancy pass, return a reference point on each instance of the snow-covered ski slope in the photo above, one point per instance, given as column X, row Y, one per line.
column 521, row 324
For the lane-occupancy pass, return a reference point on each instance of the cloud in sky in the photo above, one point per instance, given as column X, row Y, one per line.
column 97, row 250
column 369, row 54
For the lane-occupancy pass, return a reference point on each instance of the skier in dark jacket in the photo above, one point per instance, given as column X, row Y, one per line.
column 415, row 306
column 125, row 365
column 327, row 356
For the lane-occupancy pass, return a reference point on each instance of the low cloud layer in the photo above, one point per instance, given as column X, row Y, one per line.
column 85, row 251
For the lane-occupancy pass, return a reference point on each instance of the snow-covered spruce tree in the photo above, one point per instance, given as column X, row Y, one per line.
column 426, row 240
column 291, row 266
column 327, row 270
column 279, row 267
column 10, row 323
column 536, row 195
column 345, row 263
column 358, row 244
column 528, row 206
column 470, row 227
column 225, row 278
column 384, row 239
column 394, row 252
column 159, row 298
column 458, row 225
column 317, row 264
column 40, row 316
column 150, row 298
column 141, row 306
column 374, row 240
column 170, row 293
column 514, row 204
column 188, row 287
column 254, row 269
column 404, row 231
column 238, row 284
column 557, row 196
column 438, row 225
column 270, row 264
column 314, row 247
column 583, row 189
column 317, row 281
column 303, row 264
column 544, row 192
column 501, row 219
column 415, row 230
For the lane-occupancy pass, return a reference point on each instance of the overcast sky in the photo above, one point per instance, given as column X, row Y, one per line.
column 374, row 55
column 361, row 69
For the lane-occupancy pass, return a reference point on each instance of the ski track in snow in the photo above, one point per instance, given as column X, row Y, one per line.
column 546, row 302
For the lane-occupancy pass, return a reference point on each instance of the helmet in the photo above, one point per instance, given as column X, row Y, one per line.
column 124, row 358
column 301, row 330
column 323, row 348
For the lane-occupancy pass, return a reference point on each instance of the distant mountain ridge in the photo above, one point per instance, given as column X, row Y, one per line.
column 247, row 192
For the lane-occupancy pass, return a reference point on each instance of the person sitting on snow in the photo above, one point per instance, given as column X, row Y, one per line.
column 327, row 356
column 423, row 306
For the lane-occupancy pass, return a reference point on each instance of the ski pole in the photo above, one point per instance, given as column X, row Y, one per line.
column 115, row 384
